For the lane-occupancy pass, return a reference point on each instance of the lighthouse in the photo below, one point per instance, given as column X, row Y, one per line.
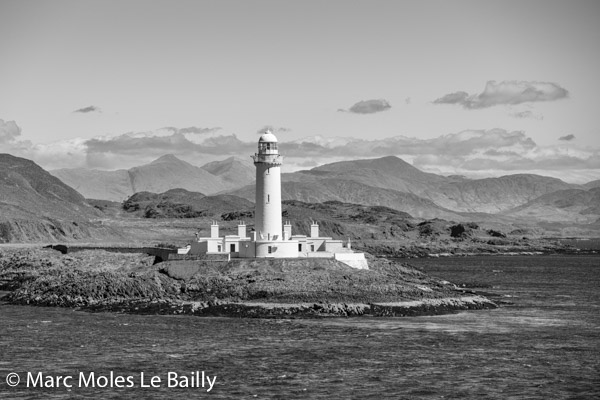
column 270, row 239
column 268, row 162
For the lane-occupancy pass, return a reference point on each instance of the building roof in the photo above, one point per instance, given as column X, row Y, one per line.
column 268, row 137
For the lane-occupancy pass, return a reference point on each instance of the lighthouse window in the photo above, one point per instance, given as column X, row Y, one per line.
column 268, row 198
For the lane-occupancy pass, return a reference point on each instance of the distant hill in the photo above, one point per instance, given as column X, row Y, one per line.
column 493, row 195
column 571, row 205
column 593, row 184
column 235, row 172
column 169, row 172
column 387, row 172
column 96, row 184
column 380, row 230
column 180, row 203
column 164, row 173
column 391, row 182
column 490, row 195
column 346, row 220
column 347, row 191
column 36, row 206
column 28, row 189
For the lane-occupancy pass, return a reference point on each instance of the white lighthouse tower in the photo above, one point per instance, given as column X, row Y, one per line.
column 268, row 189
column 270, row 239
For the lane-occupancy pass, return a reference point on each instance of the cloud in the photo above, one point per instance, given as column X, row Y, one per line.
column 197, row 145
column 526, row 114
column 567, row 137
column 453, row 98
column 550, row 163
column 10, row 141
column 369, row 106
column 459, row 144
column 194, row 130
column 9, row 131
column 174, row 143
column 506, row 93
column 307, row 164
column 62, row 153
column 475, row 153
column 88, row 109
column 273, row 129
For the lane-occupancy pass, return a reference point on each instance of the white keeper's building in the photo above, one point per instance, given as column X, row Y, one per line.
column 271, row 238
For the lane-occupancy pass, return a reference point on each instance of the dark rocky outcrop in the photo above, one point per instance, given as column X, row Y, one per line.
column 180, row 203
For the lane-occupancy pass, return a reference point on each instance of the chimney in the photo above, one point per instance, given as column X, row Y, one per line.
column 287, row 230
column 214, row 229
column 242, row 229
column 314, row 229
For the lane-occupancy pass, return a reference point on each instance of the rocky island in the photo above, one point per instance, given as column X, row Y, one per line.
column 97, row 280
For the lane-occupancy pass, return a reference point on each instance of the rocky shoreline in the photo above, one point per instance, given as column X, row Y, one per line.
column 98, row 281
column 280, row 310
column 466, row 248
column 308, row 310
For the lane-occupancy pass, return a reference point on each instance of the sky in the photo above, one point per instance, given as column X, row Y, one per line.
column 475, row 88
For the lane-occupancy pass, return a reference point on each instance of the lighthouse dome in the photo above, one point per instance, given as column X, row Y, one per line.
column 267, row 137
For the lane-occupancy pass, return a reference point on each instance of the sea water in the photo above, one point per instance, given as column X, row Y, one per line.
column 543, row 343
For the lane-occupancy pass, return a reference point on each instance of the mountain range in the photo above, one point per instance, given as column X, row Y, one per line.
column 490, row 195
column 570, row 205
column 387, row 181
column 35, row 205
column 165, row 173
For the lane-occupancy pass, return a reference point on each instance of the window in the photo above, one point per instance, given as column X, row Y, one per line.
column 299, row 246
column 268, row 198
column 270, row 249
column 219, row 248
column 267, row 146
column 232, row 247
column 312, row 247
